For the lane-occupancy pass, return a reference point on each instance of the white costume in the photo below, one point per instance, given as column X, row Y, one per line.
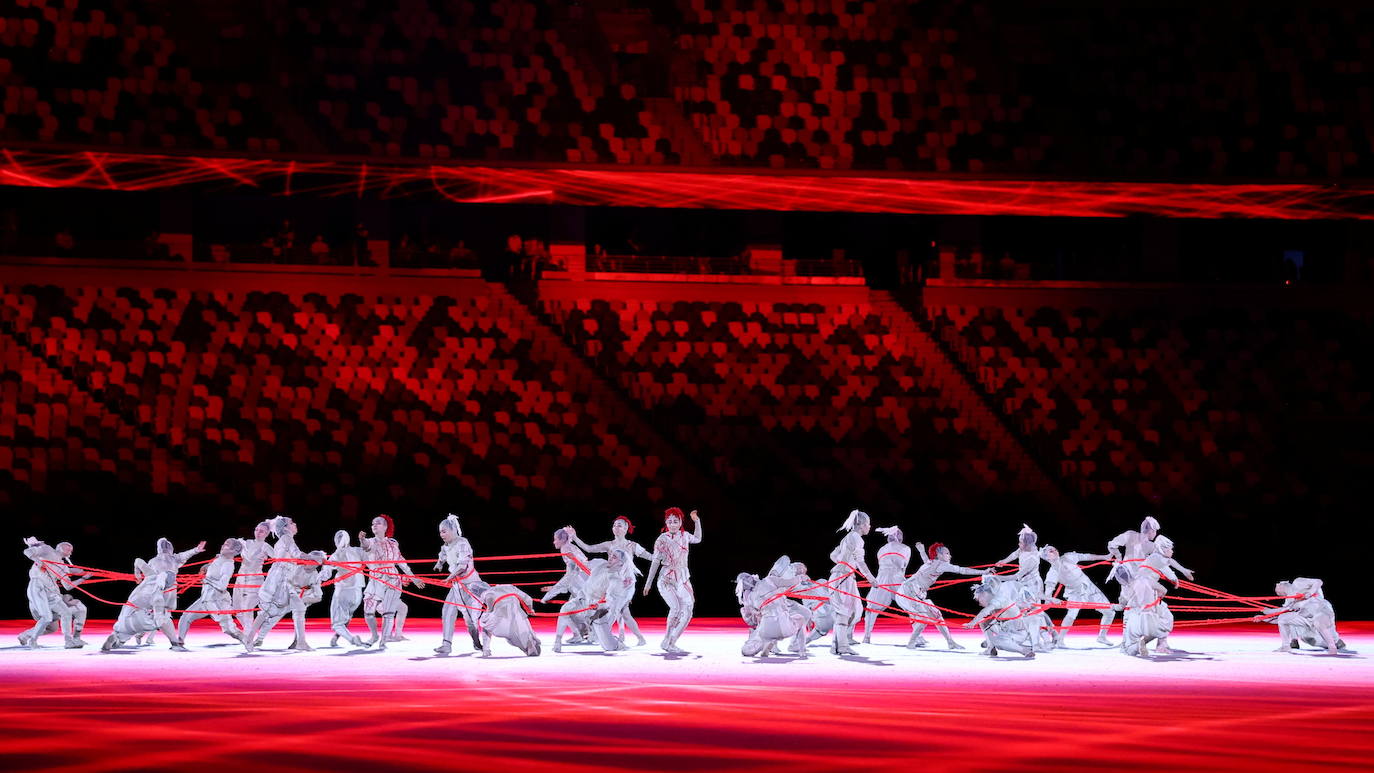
column 845, row 601
column 1078, row 589
column 215, row 600
column 1027, row 560
column 1306, row 615
column 1161, row 560
column 1004, row 616
column 346, row 565
column 892, row 563
column 45, row 597
column 250, row 575
column 387, row 573
column 573, row 582
column 1133, row 546
column 619, row 541
column 675, row 582
column 598, row 591
column 1147, row 617
column 68, row 577
column 302, row 588
column 777, row 616
column 275, row 598
column 505, row 616
column 463, row 596
column 146, row 610
column 916, row 590
column 817, row 603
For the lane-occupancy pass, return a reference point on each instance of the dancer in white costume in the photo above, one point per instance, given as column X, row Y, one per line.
column 506, row 617
column 166, row 562
column 463, row 597
column 675, row 582
column 777, row 616
column 1161, row 560
column 146, row 610
column 1078, row 589
column 848, row 557
column 68, row 578
column 1003, row 616
column 302, row 588
column 744, row 588
column 1132, row 545
column 573, row 582
column 215, row 600
column 822, row 614
column 1026, row 558
column 275, row 591
column 604, row 590
column 45, row 597
column 1306, row 615
column 347, row 568
column 388, row 573
column 1147, row 618
column 893, row 559
column 934, row 563
column 621, row 528
column 250, row 574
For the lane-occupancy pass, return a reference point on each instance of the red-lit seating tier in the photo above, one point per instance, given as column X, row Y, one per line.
column 266, row 398
column 1192, row 406
column 816, row 395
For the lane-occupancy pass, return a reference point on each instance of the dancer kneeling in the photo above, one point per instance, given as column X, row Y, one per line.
column 777, row 616
column 1147, row 617
column 1306, row 615
column 1003, row 617
column 506, row 616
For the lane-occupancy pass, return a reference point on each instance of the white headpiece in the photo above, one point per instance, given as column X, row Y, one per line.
column 278, row 525
column 1163, row 543
column 744, row 583
column 1025, row 529
column 1045, row 551
column 341, row 539
column 890, row 532
column 452, row 521
column 1149, row 523
column 854, row 517
column 781, row 567
column 238, row 544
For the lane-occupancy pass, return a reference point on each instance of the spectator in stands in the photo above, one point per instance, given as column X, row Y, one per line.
column 361, row 256
column 155, row 249
column 319, row 250
column 461, row 256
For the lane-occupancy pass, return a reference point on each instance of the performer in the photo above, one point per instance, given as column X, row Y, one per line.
column 147, row 608
column 843, row 586
column 1305, row 615
column 1161, row 560
column 388, row 573
column 347, row 566
column 506, row 616
column 1026, row 557
column 914, row 592
column 250, row 575
column 621, row 528
column 68, row 578
column 675, row 584
column 166, row 562
column 604, row 590
column 817, row 603
column 275, row 592
column 777, row 616
column 215, row 599
column 1003, row 618
column 892, row 563
column 744, row 588
column 463, row 598
column 1132, row 545
column 573, row 582
column 301, row 588
column 45, row 598
column 1147, row 617
column 1078, row 589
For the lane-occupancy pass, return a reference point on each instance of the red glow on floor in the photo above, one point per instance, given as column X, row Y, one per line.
column 151, row 709
column 691, row 189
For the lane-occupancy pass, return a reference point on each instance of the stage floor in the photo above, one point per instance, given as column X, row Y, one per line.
column 1224, row 702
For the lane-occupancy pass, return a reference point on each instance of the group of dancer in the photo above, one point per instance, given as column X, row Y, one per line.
column 248, row 602
column 783, row 605
column 786, row 604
